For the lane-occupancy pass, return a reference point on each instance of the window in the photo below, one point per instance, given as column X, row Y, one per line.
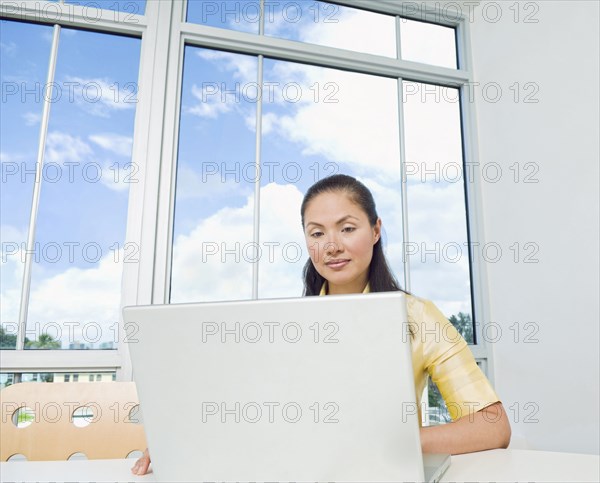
column 236, row 204
column 298, row 113
column 67, row 131
column 203, row 170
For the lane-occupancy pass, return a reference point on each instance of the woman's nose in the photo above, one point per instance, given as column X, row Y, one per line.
column 333, row 245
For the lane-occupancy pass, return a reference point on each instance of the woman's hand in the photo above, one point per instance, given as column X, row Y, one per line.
column 488, row 428
column 141, row 465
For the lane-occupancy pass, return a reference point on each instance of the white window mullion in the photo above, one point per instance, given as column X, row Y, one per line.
column 257, row 157
column 480, row 296
column 32, row 361
column 168, row 160
column 76, row 16
column 142, row 220
column 330, row 57
column 403, row 180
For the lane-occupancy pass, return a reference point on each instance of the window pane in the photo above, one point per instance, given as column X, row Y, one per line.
column 437, row 412
column 135, row 7
column 25, row 50
column 8, row 379
column 428, row 43
column 438, row 250
column 214, row 202
column 241, row 15
column 332, row 25
column 79, row 245
column 317, row 122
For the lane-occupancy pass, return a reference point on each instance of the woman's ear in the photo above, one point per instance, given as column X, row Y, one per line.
column 377, row 231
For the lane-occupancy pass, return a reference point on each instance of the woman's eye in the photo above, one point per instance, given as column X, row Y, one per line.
column 348, row 229
column 316, row 234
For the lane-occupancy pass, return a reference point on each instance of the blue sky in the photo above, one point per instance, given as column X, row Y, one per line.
column 319, row 120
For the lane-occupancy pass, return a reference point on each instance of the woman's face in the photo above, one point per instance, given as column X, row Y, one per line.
column 340, row 241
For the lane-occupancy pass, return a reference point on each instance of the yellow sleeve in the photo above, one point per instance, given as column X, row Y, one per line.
column 449, row 361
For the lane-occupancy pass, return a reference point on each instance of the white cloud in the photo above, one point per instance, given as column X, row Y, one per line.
column 355, row 30
column 32, row 118
column 62, row 147
column 348, row 117
column 436, row 224
column 119, row 177
column 281, row 276
column 9, row 48
column 216, row 97
column 436, row 213
column 269, row 120
column 211, row 104
column 87, row 296
column 428, row 43
column 11, row 271
column 432, row 133
column 200, row 275
column 47, row 35
column 360, row 129
column 115, row 143
column 244, row 68
column 99, row 97
column 10, row 157
column 194, row 185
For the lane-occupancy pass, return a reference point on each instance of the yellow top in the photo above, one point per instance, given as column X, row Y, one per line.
column 439, row 351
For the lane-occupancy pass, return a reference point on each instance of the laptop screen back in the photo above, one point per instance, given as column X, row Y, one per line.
column 309, row 389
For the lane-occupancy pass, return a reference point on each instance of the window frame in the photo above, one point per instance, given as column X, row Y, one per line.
column 164, row 35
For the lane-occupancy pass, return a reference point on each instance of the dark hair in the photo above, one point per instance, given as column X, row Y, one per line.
column 381, row 278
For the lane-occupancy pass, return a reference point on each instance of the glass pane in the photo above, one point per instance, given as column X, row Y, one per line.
column 79, row 245
column 8, row 379
column 25, row 50
column 126, row 7
column 428, row 43
column 317, row 122
column 228, row 14
column 436, row 412
column 214, row 201
column 324, row 23
column 438, row 249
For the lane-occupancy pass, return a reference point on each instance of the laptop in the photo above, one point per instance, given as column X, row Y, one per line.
column 299, row 389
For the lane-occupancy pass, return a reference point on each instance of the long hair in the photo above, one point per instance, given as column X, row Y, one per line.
column 381, row 278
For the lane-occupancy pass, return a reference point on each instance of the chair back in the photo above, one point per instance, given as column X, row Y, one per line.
column 57, row 427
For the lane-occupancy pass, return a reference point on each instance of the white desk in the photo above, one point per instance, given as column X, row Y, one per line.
column 495, row 465
column 523, row 465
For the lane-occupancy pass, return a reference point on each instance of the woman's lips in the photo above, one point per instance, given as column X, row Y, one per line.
column 337, row 264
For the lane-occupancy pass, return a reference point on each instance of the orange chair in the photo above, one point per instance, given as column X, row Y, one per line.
column 52, row 431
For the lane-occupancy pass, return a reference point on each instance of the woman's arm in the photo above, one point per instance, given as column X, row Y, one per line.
column 487, row 428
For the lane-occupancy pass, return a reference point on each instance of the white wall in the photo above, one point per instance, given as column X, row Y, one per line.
column 560, row 373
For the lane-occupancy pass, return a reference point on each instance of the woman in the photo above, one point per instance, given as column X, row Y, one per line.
column 343, row 236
